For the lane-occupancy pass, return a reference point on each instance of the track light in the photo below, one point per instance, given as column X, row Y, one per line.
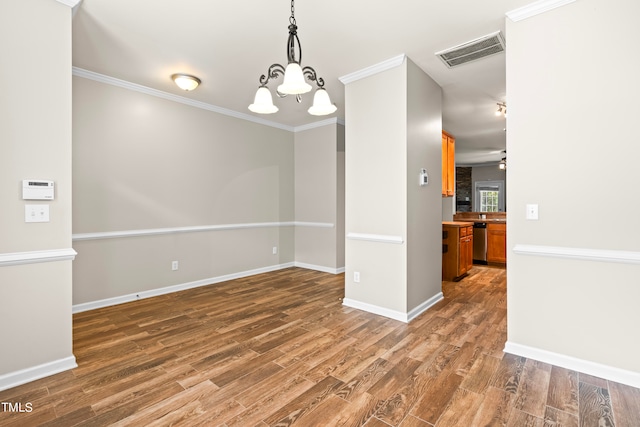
column 503, row 163
column 502, row 109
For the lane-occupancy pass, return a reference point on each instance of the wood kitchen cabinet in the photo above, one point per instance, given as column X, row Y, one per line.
column 497, row 242
column 448, row 165
column 457, row 249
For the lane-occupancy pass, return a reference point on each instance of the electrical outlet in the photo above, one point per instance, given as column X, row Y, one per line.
column 275, row 250
column 174, row 265
column 356, row 276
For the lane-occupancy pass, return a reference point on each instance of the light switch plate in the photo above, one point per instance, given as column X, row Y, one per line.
column 532, row 212
column 36, row 213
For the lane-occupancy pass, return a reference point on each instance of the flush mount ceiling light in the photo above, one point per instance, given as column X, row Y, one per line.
column 502, row 109
column 294, row 80
column 186, row 81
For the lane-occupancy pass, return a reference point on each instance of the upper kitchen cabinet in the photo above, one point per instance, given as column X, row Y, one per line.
column 448, row 165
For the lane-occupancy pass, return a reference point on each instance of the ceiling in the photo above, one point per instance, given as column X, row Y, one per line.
column 229, row 44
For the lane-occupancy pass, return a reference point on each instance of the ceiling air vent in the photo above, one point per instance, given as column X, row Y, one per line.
column 475, row 49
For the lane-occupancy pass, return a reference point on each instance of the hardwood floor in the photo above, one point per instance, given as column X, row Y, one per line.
column 279, row 349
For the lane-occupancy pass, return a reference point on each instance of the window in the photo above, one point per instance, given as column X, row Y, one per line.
column 489, row 196
column 489, row 201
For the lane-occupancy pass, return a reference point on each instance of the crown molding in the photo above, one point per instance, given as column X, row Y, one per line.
column 535, row 8
column 86, row 74
column 70, row 3
column 388, row 64
column 102, row 78
column 314, row 125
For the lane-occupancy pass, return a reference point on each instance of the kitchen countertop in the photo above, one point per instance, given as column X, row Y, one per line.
column 464, row 223
column 488, row 220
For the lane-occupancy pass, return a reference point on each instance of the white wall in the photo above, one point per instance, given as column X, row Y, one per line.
column 35, row 143
column 424, row 150
column 319, row 185
column 394, row 125
column 572, row 141
column 146, row 163
column 376, row 201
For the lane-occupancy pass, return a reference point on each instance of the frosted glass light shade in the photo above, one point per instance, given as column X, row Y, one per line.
column 321, row 104
column 185, row 81
column 263, row 102
column 294, row 83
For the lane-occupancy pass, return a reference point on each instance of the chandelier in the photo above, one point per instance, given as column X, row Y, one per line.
column 294, row 80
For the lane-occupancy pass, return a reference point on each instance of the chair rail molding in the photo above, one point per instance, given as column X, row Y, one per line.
column 380, row 238
column 585, row 254
column 195, row 229
column 35, row 257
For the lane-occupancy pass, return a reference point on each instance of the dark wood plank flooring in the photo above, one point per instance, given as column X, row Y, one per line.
column 279, row 349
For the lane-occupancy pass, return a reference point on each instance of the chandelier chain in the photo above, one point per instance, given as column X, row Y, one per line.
column 292, row 18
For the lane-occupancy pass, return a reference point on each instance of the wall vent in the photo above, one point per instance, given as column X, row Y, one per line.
column 475, row 49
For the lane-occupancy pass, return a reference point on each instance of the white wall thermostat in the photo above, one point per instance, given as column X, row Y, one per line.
column 424, row 178
column 34, row 189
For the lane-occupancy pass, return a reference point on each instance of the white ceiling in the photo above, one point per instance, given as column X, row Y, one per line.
column 229, row 44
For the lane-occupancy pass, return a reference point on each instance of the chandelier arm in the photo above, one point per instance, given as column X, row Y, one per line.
column 311, row 74
column 274, row 71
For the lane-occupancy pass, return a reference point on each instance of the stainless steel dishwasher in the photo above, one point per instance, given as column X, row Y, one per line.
column 480, row 243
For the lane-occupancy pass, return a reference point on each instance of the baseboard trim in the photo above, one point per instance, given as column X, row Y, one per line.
column 425, row 306
column 393, row 314
column 374, row 309
column 321, row 268
column 23, row 376
column 107, row 302
column 585, row 366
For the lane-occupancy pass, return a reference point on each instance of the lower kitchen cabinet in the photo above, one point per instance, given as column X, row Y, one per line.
column 457, row 249
column 497, row 243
